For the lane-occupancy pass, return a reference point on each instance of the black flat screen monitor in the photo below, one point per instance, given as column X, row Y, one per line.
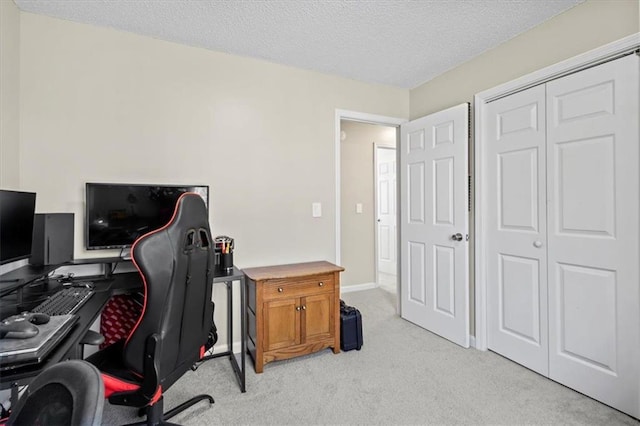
column 117, row 214
column 17, row 210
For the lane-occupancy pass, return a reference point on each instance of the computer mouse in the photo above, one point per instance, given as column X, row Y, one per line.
column 38, row 318
column 17, row 330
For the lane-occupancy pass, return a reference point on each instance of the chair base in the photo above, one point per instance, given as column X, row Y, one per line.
column 155, row 416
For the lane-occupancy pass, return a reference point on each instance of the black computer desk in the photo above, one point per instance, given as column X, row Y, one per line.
column 104, row 288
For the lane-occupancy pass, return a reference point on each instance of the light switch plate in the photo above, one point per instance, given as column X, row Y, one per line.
column 316, row 209
column 358, row 208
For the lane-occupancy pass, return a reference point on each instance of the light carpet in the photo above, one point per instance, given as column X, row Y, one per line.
column 403, row 375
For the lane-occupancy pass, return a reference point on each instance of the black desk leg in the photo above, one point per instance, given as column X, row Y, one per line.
column 230, row 317
column 233, row 358
column 243, row 331
column 240, row 373
column 14, row 394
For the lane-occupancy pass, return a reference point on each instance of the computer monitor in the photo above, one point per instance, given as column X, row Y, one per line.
column 117, row 214
column 17, row 211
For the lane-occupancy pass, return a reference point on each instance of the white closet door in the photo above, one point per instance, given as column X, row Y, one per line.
column 593, row 255
column 516, row 246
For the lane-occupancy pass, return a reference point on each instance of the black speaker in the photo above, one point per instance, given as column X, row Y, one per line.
column 52, row 239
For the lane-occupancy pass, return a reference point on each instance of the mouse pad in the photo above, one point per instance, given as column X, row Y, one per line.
column 18, row 352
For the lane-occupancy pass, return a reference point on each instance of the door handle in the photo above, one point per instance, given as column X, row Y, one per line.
column 457, row 237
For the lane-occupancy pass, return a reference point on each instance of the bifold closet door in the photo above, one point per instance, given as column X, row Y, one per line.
column 592, row 216
column 516, row 236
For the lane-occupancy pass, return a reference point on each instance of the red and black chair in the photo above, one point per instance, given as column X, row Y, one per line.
column 176, row 265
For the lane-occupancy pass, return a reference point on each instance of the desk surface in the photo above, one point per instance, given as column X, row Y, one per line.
column 87, row 314
column 235, row 275
column 13, row 280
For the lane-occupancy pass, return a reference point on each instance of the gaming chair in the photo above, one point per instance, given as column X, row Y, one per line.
column 176, row 265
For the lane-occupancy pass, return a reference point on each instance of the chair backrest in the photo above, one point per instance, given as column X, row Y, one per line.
column 70, row 392
column 176, row 264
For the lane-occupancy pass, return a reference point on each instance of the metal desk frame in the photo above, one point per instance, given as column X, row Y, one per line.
column 238, row 362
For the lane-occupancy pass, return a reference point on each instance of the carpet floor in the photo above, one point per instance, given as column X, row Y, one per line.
column 402, row 375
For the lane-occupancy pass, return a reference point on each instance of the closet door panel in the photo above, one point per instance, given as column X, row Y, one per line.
column 592, row 213
column 516, row 270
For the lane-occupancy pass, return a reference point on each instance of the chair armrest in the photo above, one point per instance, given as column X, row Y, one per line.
column 92, row 338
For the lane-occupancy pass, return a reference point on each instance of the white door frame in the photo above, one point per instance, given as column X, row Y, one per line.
column 376, row 194
column 362, row 117
column 577, row 63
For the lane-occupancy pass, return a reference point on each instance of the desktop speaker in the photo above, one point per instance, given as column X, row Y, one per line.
column 52, row 239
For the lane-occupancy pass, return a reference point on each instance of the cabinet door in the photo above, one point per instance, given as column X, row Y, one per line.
column 281, row 324
column 317, row 318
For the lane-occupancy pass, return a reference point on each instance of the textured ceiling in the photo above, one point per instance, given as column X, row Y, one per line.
column 400, row 43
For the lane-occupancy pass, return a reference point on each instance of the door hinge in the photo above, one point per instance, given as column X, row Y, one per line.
column 469, row 193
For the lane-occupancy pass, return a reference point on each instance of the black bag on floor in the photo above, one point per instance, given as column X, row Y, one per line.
column 350, row 327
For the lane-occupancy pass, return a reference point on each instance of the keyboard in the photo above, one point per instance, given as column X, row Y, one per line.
column 66, row 301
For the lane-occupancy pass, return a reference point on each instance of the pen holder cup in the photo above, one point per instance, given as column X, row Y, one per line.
column 224, row 262
column 223, row 252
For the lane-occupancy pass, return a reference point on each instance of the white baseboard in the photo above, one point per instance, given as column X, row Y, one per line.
column 358, row 287
column 220, row 348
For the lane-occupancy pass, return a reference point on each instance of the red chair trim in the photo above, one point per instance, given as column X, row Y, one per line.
column 156, row 396
column 115, row 385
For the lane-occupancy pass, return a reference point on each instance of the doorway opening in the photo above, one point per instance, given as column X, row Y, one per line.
column 386, row 220
column 367, row 229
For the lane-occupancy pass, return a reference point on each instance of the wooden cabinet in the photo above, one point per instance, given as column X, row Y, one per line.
column 292, row 310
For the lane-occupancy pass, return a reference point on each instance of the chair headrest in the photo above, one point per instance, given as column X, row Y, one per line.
column 188, row 228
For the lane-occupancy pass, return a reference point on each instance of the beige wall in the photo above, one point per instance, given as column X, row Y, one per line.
column 580, row 29
column 357, row 246
column 108, row 106
column 9, row 95
column 95, row 104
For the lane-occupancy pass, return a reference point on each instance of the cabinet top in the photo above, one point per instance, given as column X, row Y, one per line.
column 291, row 270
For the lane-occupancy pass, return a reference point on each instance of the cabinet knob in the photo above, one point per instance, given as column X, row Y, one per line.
column 297, row 308
column 304, row 307
column 280, row 289
column 537, row 244
column 321, row 284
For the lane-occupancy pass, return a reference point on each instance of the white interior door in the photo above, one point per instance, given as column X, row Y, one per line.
column 516, row 245
column 434, row 227
column 386, row 209
column 593, row 181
